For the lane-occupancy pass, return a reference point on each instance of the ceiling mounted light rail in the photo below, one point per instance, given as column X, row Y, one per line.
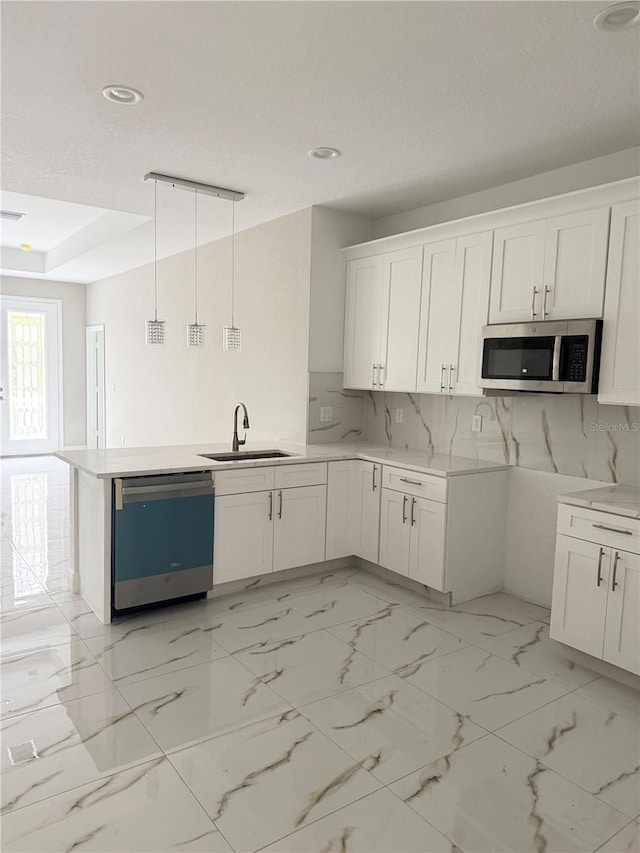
column 193, row 186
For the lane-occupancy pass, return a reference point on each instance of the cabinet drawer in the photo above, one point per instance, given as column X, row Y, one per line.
column 604, row 528
column 242, row 480
column 414, row 483
column 307, row 474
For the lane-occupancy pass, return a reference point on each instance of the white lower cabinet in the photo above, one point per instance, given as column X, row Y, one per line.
column 596, row 591
column 412, row 533
column 353, row 509
column 394, row 532
column 258, row 532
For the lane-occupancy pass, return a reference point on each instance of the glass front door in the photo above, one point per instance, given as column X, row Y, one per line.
column 29, row 377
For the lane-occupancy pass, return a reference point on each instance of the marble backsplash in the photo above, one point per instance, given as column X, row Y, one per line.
column 348, row 415
column 568, row 434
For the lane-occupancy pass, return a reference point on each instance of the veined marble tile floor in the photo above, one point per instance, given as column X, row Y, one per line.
column 335, row 712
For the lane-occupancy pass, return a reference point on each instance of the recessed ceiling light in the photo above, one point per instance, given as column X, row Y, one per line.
column 11, row 215
column 122, row 95
column 324, row 153
column 26, row 247
column 620, row 16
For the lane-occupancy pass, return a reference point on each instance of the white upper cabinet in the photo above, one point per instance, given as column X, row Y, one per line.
column 620, row 364
column 455, row 299
column 403, row 281
column 552, row 269
column 517, row 273
column 365, row 321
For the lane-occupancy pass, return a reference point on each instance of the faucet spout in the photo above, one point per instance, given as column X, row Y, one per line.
column 237, row 442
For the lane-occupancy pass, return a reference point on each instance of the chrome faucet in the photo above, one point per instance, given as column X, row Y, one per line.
column 235, row 446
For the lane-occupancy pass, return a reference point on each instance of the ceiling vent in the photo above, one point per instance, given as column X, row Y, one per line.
column 11, row 215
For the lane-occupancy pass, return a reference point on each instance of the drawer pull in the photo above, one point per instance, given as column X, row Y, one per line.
column 412, row 482
column 599, row 575
column 613, row 529
column 615, row 569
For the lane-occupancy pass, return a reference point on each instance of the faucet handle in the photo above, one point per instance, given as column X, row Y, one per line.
column 243, row 440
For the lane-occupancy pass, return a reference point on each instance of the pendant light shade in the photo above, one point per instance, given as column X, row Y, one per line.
column 232, row 335
column 195, row 330
column 155, row 327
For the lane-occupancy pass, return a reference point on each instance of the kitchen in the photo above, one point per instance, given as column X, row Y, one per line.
column 377, row 597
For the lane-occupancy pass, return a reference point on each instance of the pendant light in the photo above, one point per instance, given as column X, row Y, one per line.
column 195, row 330
column 232, row 335
column 155, row 327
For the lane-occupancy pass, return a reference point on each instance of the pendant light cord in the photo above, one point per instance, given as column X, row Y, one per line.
column 195, row 255
column 233, row 262
column 155, row 250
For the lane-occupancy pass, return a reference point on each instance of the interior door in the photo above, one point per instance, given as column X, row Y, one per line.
column 517, row 273
column 31, row 405
column 579, row 602
column 95, row 387
column 365, row 317
column 574, row 265
column 394, row 531
column 473, row 276
column 403, row 277
column 438, row 321
column 622, row 636
column 426, row 557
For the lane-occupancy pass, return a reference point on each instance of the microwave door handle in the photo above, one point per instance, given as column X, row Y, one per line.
column 555, row 368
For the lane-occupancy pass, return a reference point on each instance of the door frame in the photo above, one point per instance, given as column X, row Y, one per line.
column 89, row 331
column 56, row 304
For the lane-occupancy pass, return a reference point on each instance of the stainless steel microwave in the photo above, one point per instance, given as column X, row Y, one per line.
column 550, row 356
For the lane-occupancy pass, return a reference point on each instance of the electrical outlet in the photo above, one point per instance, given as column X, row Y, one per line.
column 399, row 416
column 326, row 414
column 476, row 423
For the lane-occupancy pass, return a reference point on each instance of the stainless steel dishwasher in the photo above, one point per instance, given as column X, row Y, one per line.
column 162, row 538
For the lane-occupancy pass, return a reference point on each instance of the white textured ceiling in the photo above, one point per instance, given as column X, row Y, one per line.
column 426, row 100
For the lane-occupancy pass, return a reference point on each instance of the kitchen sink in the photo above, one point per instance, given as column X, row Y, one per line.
column 241, row 455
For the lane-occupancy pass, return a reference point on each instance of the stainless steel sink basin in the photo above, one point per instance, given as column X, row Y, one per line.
column 241, row 455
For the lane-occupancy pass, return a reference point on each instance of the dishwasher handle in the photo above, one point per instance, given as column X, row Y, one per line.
column 165, row 491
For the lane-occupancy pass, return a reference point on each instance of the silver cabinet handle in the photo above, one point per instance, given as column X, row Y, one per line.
column 280, row 505
column 451, row 369
column 373, row 478
column 413, row 506
column 533, row 303
column 373, row 376
column 544, row 303
column 404, row 509
column 270, row 506
column 613, row 529
column 442, row 385
column 615, row 569
column 380, row 382
column 412, row 482
column 599, row 573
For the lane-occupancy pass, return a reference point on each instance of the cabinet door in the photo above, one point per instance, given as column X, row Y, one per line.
column 367, row 482
column 341, row 508
column 403, row 280
column 574, row 265
column 439, row 308
column 426, row 557
column 395, row 531
column 620, row 365
column 579, row 602
column 517, row 273
column 365, row 317
column 243, row 537
column 473, row 277
column 622, row 631
column 300, row 524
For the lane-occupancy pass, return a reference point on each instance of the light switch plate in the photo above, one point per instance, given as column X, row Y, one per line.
column 326, row 414
column 476, row 423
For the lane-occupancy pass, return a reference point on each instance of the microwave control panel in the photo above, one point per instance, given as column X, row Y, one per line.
column 575, row 358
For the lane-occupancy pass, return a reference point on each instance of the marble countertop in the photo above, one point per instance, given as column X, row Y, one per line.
column 621, row 500
column 134, row 461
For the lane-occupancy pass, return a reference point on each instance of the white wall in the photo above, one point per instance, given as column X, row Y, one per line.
column 175, row 395
column 73, row 298
column 589, row 173
column 331, row 230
